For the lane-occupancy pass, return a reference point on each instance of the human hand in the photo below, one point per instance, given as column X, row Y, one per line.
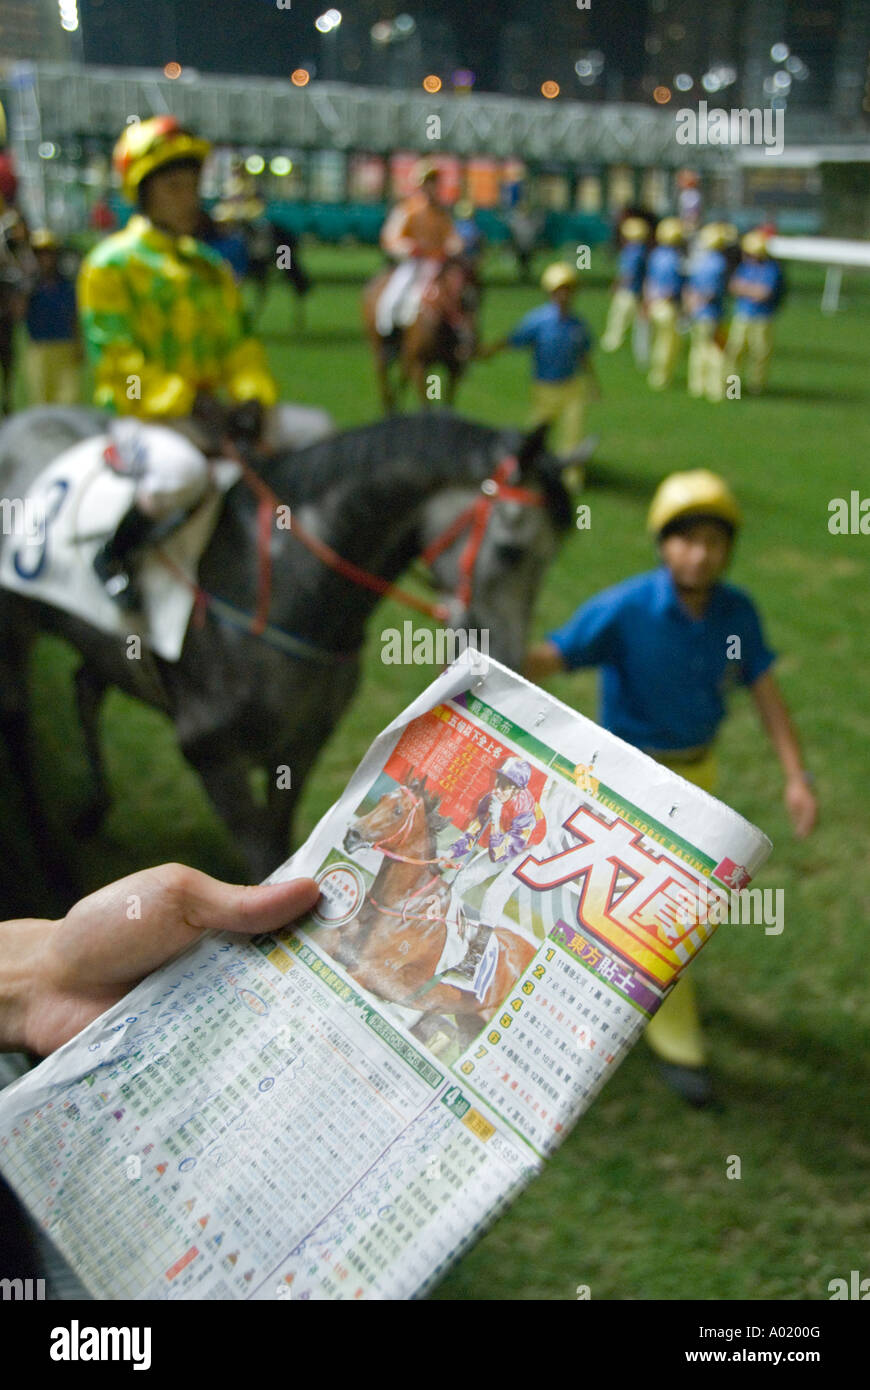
column 801, row 804
column 56, row 977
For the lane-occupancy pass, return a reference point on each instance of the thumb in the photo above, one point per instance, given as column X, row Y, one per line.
column 216, row 906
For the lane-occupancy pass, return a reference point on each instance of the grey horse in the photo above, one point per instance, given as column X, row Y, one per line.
column 378, row 495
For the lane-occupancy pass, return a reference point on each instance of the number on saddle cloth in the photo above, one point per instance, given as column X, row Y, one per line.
column 32, row 566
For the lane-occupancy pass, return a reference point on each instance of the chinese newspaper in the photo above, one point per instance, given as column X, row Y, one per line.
column 339, row 1110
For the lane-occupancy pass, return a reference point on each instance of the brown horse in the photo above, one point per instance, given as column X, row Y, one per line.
column 395, row 942
column 444, row 332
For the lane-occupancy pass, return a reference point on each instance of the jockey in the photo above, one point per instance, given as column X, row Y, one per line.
column 420, row 234
column 508, row 821
column 162, row 322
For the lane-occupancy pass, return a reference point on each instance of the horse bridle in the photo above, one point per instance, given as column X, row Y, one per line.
column 396, row 835
column 474, row 519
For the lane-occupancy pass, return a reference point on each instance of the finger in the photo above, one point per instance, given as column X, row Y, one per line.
column 216, row 906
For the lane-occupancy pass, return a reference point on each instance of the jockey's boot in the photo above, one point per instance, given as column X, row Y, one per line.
column 135, row 532
column 467, row 967
column 113, row 561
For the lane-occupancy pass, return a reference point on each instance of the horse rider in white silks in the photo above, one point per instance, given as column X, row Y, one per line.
column 419, row 233
column 162, row 321
column 508, row 822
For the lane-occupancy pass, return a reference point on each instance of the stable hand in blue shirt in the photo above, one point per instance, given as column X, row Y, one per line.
column 560, row 342
column 664, row 674
column 759, row 278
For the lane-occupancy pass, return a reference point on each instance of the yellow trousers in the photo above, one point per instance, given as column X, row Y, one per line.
column 706, row 362
column 665, row 342
column 674, row 1032
column 620, row 316
column 562, row 404
column 754, row 337
column 53, row 375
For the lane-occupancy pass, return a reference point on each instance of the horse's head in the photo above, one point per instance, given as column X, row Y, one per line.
column 389, row 822
column 527, row 511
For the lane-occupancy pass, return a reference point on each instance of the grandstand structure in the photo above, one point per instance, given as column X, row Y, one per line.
column 624, row 152
column 54, row 103
column 240, row 110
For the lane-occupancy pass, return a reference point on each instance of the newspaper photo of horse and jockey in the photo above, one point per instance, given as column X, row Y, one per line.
column 439, row 900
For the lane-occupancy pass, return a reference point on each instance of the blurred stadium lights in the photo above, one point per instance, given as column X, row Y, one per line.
column 280, row 165
column 780, row 52
column 255, row 164
column 69, row 15
column 549, row 90
column 172, row 71
column 432, row 83
column 589, row 67
column 662, row 95
column 328, row 21
column 300, row 77
column 718, row 77
column 389, row 31
column 683, row 82
column 797, row 68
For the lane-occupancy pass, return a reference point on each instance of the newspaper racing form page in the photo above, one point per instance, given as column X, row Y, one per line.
column 339, row 1110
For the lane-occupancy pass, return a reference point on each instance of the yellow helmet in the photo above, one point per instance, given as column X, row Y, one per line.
column 634, row 229
column 754, row 243
column 670, row 232
column 717, row 235
column 695, row 493
column 425, row 171
column 44, row 239
column 147, row 145
column 557, row 275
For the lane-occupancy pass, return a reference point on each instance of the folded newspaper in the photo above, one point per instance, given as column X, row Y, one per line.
column 340, row 1109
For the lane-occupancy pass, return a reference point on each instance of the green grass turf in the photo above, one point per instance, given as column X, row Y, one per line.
column 636, row 1204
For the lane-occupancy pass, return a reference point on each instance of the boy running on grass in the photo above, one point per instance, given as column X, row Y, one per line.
column 562, row 370
column 665, row 643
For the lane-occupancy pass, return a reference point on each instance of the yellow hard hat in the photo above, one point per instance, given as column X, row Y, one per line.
column 557, row 275
column 669, row 232
column 754, row 243
column 695, row 493
column 634, row 229
column 717, row 235
column 147, row 145
column 425, row 171
column 44, row 239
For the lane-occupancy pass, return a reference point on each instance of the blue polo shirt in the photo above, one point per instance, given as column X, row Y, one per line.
column 51, row 311
column 632, row 264
column 664, row 674
column 763, row 273
column 560, row 343
column 664, row 273
column 708, row 276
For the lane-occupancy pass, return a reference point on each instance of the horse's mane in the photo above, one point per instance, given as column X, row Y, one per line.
column 443, row 443
column 437, row 448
